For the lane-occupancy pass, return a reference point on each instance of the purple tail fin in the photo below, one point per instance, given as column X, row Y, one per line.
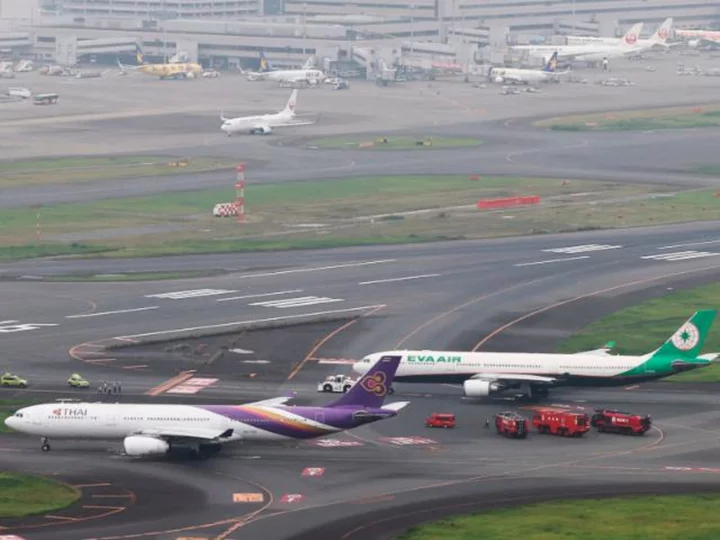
column 373, row 387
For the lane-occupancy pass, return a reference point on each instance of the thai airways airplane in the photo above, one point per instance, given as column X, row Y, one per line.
column 485, row 374
column 527, row 76
column 658, row 38
column 263, row 123
column 160, row 429
column 307, row 73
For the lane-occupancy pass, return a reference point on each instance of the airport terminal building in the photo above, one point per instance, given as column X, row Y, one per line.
column 225, row 34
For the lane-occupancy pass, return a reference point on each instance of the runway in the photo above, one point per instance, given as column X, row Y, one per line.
column 296, row 317
column 435, row 296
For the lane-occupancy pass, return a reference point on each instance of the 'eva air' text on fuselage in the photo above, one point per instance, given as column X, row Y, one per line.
column 435, row 359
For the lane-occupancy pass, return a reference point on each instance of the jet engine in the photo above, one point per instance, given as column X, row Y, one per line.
column 693, row 43
column 498, row 79
column 479, row 388
column 140, row 445
column 261, row 130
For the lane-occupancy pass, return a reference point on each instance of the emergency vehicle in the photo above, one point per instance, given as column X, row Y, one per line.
column 563, row 423
column 336, row 383
column 511, row 424
column 441, row 420
column 615, row 421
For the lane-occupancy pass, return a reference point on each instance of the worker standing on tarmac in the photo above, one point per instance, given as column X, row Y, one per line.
column 605, row 64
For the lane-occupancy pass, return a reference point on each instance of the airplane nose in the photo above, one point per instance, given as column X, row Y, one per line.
column 11, row 422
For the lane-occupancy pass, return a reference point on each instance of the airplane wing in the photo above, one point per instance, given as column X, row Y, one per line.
column 272, row 401
column 513, row 377
column 602, row 351
column 289, row 124
column 187, row 433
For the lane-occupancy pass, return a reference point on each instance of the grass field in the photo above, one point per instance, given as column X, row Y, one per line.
column 23, row 495
column 333, row 213
column 676, row 517
column 642, row 328
column 84, row 169
column 381, row 142
column 638, row 120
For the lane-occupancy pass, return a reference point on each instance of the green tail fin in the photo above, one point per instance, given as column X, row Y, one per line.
column 688, row 340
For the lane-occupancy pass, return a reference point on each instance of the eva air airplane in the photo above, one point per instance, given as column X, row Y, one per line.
column 484, row 374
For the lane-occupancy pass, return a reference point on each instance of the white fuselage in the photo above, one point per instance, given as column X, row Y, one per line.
column 590, row 52
column 117, row 420
column 246, row 123
column 417, row 365
column 521, row 75
column 291, row 75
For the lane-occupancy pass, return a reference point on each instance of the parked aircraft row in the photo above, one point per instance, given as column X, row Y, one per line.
column 597, row 49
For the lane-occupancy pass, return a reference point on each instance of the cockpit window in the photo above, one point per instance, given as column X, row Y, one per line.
column 19, row 414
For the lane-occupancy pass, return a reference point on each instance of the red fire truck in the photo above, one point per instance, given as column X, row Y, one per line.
column 563, row 423
column 614, row 421
column 511, row 424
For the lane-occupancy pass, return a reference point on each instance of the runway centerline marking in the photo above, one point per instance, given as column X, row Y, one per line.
column 117, row 312
column 195, row 293
column 297, row 302
column 553, row 261
column 252, row 321
column 317, row 268
column 392, row 280
column 679, row 256
column 247, row 296
column 583, row 248
column 690, row 244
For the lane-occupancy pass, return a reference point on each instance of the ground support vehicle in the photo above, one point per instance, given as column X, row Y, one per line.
column 563, row 423
column 336, row 384
column 10, row 379
column 615, row 421
column 440, row 420
column 511, row 424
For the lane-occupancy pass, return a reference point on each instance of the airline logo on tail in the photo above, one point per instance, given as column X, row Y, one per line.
column 139, row 56
column 552, row 63
column 264, row 66
column 292, row 102
column 631, row 36
column 375, row 384
column 687, row 337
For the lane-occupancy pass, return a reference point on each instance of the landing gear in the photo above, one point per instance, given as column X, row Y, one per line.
column 45, row 442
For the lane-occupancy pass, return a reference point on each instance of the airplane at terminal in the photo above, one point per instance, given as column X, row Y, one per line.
column 590, row 52
column 658, row 38
column 308, row 73
column 485, row 374
column 149, row 429
column 171, row 70
column 696, row 38
column 527, row 76
column 263, row 123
